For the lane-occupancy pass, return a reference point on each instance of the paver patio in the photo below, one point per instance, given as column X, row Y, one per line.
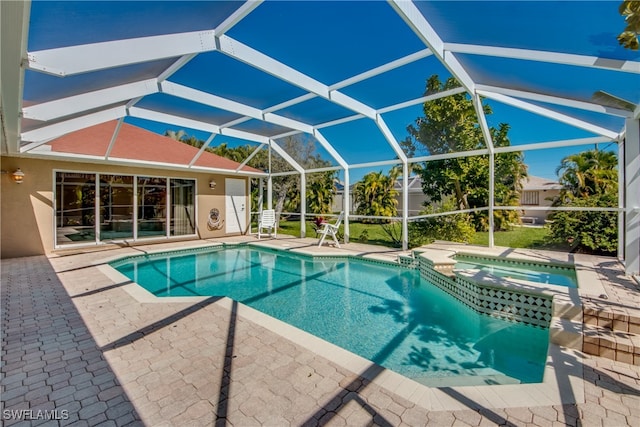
column 77, row 346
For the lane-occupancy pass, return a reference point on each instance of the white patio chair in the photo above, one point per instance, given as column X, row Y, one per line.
column 330, row 229
column 267, row 222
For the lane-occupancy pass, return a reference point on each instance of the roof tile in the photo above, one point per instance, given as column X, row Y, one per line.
column 135, row 143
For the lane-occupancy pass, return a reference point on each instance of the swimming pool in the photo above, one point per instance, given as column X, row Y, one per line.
column 533, row 272
column 384, row 313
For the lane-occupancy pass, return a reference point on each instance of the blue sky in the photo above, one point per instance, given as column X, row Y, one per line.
column 330, row 42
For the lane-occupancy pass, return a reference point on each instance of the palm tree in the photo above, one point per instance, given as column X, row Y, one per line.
column 320, row 194
column 375, row 194
column 237, row 154
column 590, row 180
column 192, row 141
column 631, row 11
column 588, row 173
column 176, row 135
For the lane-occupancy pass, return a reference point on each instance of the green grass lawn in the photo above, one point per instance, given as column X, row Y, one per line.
column 376, row 235
column 518, row 237
column 521, row 237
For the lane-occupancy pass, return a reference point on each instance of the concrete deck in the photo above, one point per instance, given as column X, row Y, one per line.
column 80, row 346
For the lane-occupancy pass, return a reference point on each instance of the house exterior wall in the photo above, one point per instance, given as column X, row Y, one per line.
column 338, row 203
column 416, row 203
column 27, row 217
column 545, row 198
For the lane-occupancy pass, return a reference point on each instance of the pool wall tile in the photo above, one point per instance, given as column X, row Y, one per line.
column 488, row 294
column 408, row 261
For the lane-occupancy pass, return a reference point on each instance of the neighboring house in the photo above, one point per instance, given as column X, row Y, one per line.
column 417, row 199
column 416, row 196
column 538, row 192
column 147, row 192
column 338, row 199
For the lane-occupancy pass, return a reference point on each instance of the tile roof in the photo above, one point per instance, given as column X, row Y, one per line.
column 134, row 143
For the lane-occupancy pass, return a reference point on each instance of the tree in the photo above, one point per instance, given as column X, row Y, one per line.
column 238, row 154
column 588, row 173
column 320, row 193
column 375, row 195
column 286, row 189
column 182, row 136
column 630, row 9
column 176, row 135
column 589, row 179
column 450, row 125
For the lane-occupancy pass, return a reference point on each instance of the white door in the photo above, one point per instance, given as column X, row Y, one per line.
column 236, row 205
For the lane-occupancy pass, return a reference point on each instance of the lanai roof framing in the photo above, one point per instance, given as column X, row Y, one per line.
column 170, row 53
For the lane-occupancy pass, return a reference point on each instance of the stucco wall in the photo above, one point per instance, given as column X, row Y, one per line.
column 416, row 203
column 26, row 210
column 545, row 198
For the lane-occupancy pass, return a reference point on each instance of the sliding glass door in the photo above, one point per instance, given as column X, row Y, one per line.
column 152, row 206
column 182, row 207
column 75, row 208
column 127, row 207
column 116, row 207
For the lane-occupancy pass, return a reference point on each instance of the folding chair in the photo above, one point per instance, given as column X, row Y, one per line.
column 330, row 229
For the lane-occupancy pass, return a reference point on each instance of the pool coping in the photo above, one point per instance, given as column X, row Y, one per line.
column 562, row 381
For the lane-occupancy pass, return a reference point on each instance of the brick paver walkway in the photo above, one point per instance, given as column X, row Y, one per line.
column 75, row 343
column 52, row 366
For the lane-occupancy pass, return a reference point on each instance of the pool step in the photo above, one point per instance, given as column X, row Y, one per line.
column 615, row 345
column 611, row 332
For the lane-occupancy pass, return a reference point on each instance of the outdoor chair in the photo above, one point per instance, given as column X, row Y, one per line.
column 330, row 229
column 267, row 222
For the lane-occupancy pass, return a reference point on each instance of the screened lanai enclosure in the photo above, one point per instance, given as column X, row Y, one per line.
column 347, row 77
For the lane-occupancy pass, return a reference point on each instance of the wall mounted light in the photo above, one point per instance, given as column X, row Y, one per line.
column 17, row 176
column 212, row 184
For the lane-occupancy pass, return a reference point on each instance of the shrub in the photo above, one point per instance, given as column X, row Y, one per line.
column 317, row 222
column 453, row 227
column 590, row 179
column 592, row 232
column 394, row 231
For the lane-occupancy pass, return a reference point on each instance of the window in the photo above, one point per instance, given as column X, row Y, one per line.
column 128, row 207
column 529, row 198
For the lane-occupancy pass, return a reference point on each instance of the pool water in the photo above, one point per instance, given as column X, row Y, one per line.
column 540, row 273
column 386, row 314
